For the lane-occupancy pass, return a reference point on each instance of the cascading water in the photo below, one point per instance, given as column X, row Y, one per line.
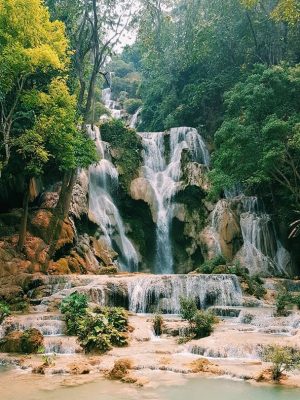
column 112, row 105
column 134, row 118
column 103, row 180
column 262, row 250
column 164, row 178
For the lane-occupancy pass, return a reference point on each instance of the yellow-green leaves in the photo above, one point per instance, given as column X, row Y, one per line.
column 284, row 10
column 26, row 24
column 287, row 11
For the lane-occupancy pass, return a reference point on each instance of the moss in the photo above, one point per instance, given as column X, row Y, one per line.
column 126, row 140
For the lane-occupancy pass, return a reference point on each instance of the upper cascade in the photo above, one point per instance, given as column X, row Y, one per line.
column 163, row 173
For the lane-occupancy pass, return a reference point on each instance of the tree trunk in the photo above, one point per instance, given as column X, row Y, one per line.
column 61, row 210
column 23, row 226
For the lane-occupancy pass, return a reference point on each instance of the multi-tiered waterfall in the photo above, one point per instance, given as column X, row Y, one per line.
column 163, row 174
column 103, row 181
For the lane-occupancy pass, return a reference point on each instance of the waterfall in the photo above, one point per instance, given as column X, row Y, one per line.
column 163, row 175
column 134, row 118
column 111, row 105
column 262, row 250
column 151, row 293
column 103, row 181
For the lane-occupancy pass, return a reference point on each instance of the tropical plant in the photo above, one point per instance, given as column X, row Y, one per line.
column 74, row 307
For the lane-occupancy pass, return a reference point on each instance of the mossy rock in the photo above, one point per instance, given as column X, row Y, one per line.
column 27, row 342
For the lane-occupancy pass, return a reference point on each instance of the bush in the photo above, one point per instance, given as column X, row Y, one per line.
column 247, row 318
column 100, row 330
column 4, row 311
column 158, row 322
column 282, row 300
column 74, row 307
column 208, row 266
column 282, row 359
column 188, row 308
column 132, row 105
column 203, row 322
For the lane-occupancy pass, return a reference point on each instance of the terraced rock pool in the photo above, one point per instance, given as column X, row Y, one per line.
column 23, row 386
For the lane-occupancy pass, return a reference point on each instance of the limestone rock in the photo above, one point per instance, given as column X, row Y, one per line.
column 140, row 189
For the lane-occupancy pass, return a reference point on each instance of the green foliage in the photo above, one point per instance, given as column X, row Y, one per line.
column 282, row 359
column 74, row 308
column 203, row 322
column 126, row 142
column 157, row 323
column 132, row 105
column 188, row 308
column 100, row 330
column 4, row 311
column 209, row 266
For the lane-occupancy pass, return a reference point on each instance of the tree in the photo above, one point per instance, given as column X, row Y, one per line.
column 282, row 359
column 258, row 142
column 31, row 47
column 54, row 139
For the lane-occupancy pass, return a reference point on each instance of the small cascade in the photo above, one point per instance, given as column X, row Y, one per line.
column 262, row 250
column 163, row 175
column 134, row 119
column 112, row 105
column 103, row 182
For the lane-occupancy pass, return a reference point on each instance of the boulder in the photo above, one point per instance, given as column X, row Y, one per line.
column 26, row 342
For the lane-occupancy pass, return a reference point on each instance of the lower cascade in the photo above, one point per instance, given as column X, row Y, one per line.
column 148, row 293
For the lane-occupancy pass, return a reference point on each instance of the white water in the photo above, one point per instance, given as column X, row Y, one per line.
column 151, row 293
column 111, row 105
column 134, row 118
column 164, row 176
column 103, row 181
column 262, row 250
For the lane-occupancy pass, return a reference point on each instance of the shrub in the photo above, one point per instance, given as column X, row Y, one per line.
column 247, row 318
column 100, row 330
column 4, row 311
column 282, row 359
column 203, row 322
column 158, row 322
column 208, row 266
column 188, row 308
column 282, row 299
column 74, row 307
